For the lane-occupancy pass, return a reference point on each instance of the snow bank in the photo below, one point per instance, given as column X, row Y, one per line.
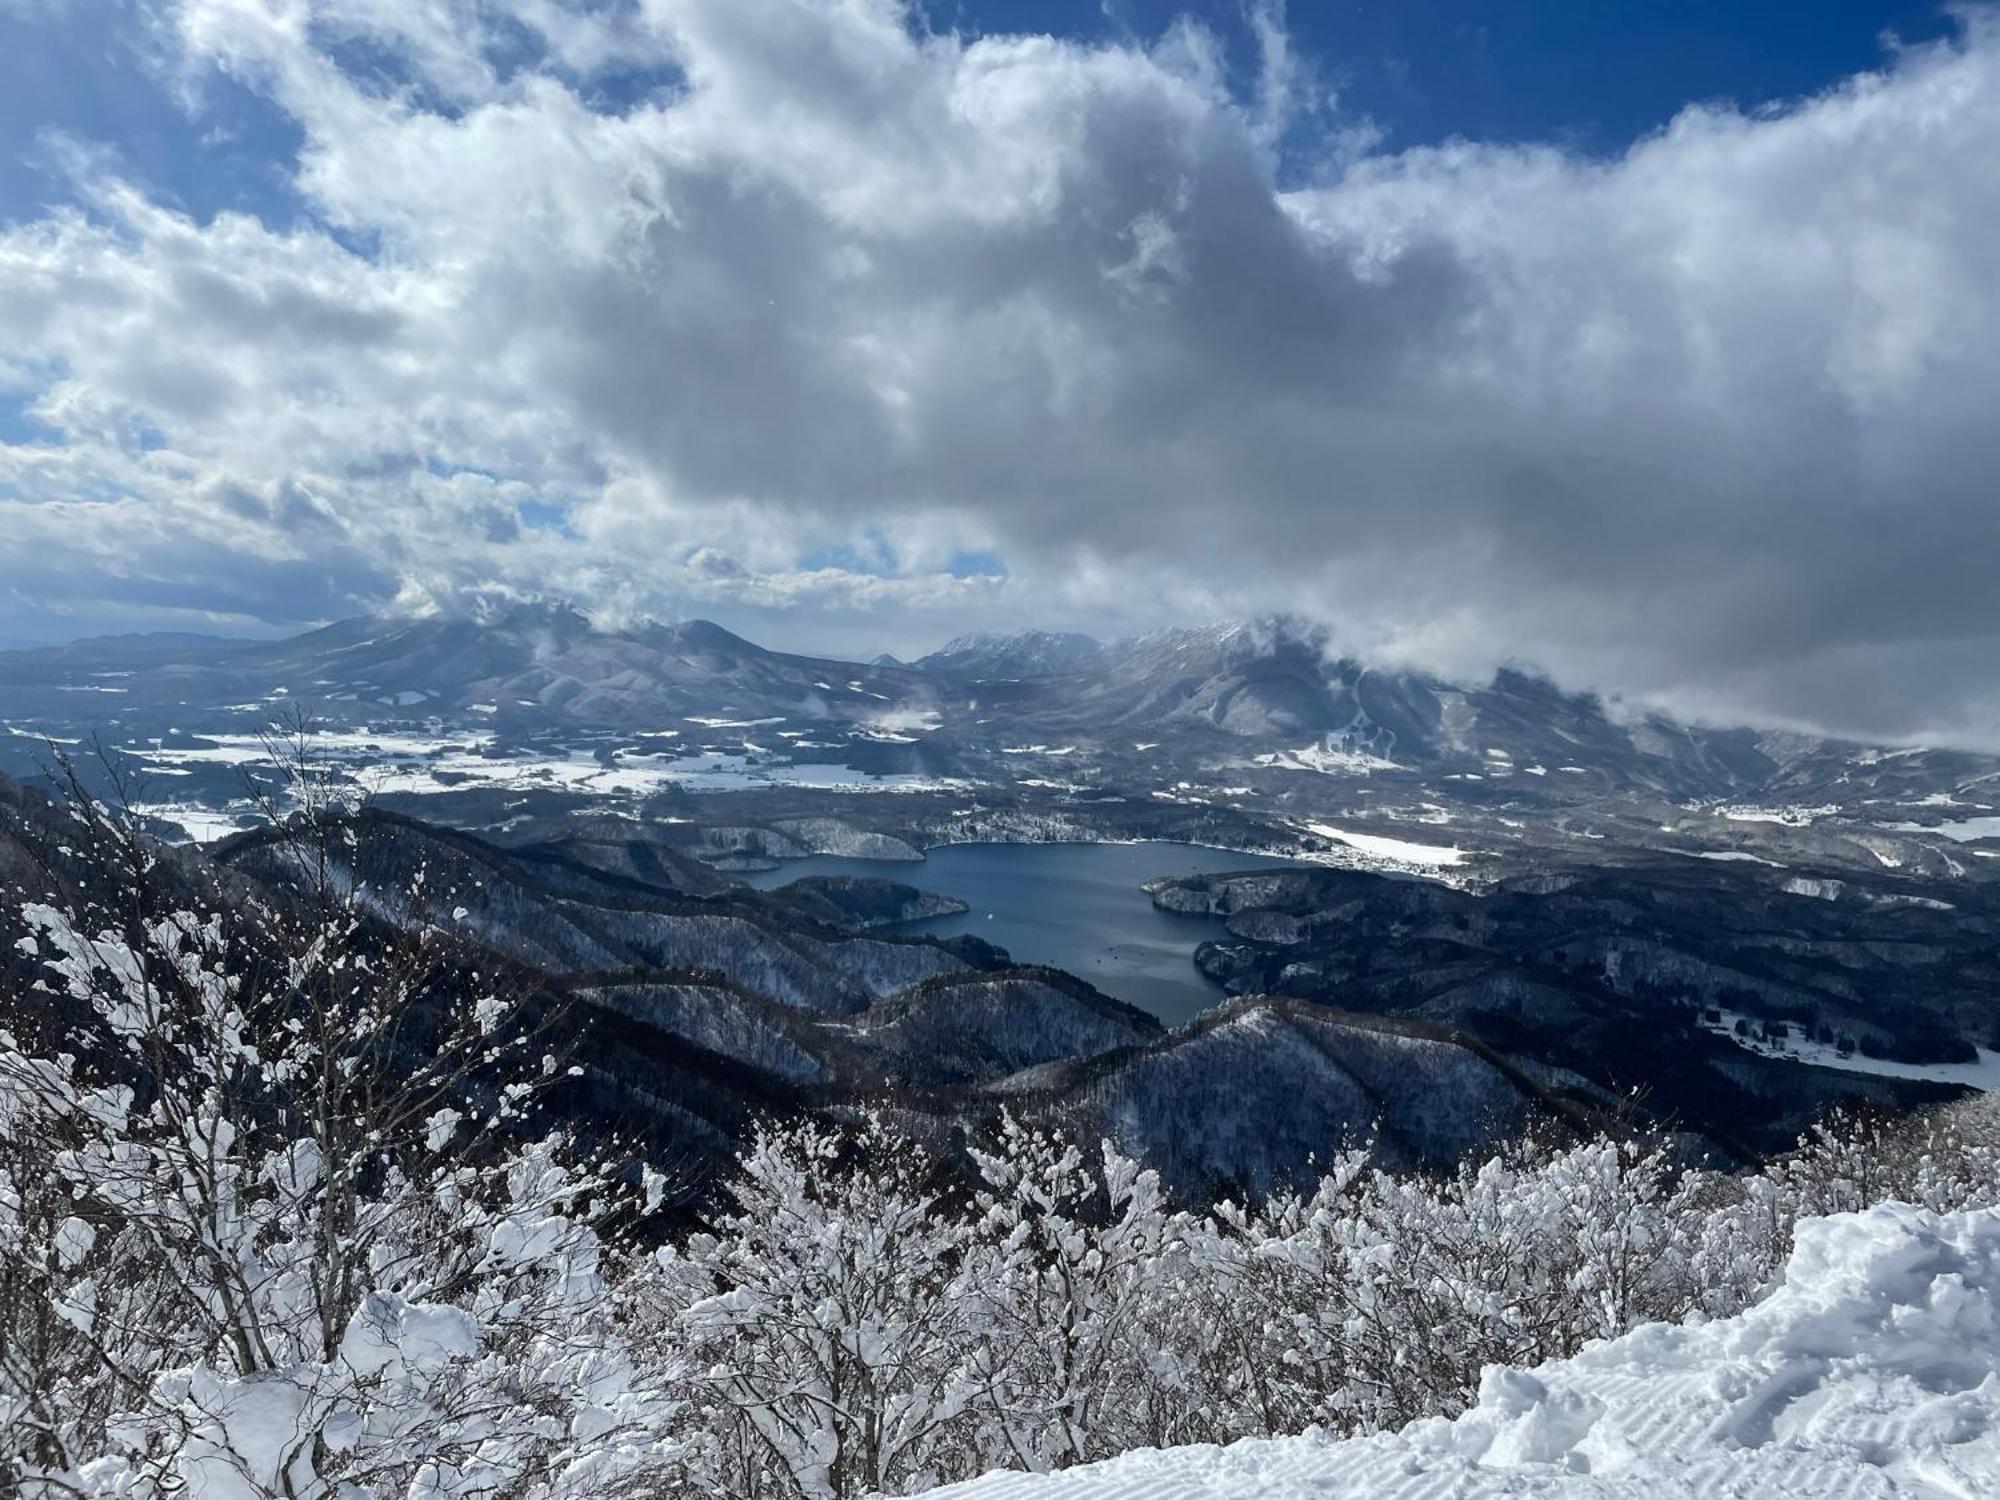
column 1872, row 1369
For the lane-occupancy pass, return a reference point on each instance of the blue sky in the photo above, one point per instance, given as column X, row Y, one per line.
column 1586, row 72
column 100, row 76
column 1593, row 72
column 1654, row 345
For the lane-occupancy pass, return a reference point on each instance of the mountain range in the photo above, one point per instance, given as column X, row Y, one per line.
column 1276, row 687
column 1258, row 737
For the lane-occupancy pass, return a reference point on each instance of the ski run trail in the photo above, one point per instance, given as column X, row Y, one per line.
column 1871, row 1368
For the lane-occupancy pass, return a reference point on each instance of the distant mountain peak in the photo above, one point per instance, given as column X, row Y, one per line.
column 705, row 635
column 1018, row 653
column 525, row 614
column 563, row 620
column 980, row 640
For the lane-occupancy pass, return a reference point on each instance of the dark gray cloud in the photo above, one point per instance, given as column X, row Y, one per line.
column 1712, row 423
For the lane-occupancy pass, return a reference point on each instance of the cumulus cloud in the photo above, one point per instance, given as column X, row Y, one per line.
column 780, row 310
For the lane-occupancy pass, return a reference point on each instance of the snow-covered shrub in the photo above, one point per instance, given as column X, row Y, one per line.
column 826, row 1351
column 274, row 1221
column 1065, row 1272
column 1378, row 1297
column 1265, row 1339
column 1737, row 1230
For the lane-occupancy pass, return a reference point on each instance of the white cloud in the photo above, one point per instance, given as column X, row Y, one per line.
column 1711, row 421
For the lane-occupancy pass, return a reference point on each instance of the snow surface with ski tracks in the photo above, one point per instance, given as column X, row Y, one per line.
column 1872, row 1368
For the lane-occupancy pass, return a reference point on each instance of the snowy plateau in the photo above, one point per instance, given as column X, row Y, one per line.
column 1872, row 1368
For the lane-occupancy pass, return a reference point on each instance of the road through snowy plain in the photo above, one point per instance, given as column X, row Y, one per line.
column 1872, row 1369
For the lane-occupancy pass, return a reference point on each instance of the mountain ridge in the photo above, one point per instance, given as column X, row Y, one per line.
column 1268, row 650
column 1264, row 704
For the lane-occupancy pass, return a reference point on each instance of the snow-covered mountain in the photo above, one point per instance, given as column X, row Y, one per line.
column 1020, row 653
column 1258, row 737
column 532, row 664
column 1281, row 681
column 1871, row 1370
column 1273, row 695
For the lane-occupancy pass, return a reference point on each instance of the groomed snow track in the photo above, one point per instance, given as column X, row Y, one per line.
column 1871, row 1369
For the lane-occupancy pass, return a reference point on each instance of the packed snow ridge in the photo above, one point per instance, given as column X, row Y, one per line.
column 1871, row 1369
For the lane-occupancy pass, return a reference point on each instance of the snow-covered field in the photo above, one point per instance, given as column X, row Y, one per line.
column 1325, row 759
column 1390, row 853
column 1965, row 829
column 201, row 825
column 1982, row 1074
column 392, row 761
column 1793, row 816
column 1871, row 1370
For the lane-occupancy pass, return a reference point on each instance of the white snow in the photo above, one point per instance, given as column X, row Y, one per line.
column 201, row 825
column 1325, row 758
column 902, row 724
column 1872, row 1369
column 1793, row 816
column 1397, row 850
column 1888, row 855
column 391, row 761
column 34, row 734
column 1982, row 1074
column 1965, row 829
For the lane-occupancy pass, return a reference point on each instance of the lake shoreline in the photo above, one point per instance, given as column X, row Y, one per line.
column 1075, row 905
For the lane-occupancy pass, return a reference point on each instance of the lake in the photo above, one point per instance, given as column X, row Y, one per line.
column 1070, row 906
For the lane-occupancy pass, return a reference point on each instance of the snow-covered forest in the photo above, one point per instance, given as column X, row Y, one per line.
column 281, row 1215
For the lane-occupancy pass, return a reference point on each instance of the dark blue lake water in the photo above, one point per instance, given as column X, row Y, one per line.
column 1073, row 906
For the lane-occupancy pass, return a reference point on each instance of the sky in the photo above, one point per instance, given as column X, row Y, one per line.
column 1655, row 346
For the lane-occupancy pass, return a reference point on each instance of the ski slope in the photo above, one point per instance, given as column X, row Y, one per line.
column 1871, row 1369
